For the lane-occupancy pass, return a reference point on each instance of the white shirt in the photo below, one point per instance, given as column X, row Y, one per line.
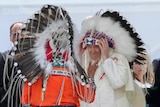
column 142, row 85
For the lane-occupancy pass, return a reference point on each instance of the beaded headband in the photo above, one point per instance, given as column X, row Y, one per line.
column 92, row 37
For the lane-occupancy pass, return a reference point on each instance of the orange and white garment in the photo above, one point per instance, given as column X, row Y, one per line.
column 60, row 90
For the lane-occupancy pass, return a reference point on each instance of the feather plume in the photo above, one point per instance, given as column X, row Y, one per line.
column 119, row 29
column 49, row 28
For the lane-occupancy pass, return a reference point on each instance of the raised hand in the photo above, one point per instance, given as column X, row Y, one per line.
column 104, row 47
column 92, row 69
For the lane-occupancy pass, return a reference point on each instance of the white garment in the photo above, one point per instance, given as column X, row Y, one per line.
column 113, row 79
column 142, row 85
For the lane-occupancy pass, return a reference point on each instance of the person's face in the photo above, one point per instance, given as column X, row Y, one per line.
column 14, row 36
column 94, row 51
column 139, row 69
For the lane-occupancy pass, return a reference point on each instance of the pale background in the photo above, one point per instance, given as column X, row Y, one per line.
column 144, row 15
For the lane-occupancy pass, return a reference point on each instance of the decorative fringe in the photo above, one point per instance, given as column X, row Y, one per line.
column 51, row 24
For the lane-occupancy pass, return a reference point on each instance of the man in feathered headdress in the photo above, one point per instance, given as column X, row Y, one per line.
column 107, row 45
column 47, row 74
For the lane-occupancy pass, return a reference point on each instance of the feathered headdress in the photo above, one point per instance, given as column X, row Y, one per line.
column 121, row 36
column 51, row 27
column 49, row 31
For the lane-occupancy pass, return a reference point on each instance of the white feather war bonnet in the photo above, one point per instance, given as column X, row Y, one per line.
column 121, row 36
column 49, row 28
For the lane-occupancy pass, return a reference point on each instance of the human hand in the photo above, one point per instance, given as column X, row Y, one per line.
column 104, row 47
column 92, row 69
